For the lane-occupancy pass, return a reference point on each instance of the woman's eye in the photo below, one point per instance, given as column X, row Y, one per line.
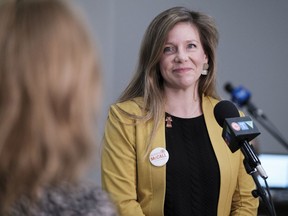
column 169, row 49
column 191, row 45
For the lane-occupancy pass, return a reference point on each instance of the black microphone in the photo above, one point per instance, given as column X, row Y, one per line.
column 238, row 132
column 241, row 96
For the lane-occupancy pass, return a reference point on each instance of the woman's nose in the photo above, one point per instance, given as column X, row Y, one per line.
column 181, row 56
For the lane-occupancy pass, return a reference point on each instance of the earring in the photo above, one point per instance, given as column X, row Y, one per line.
column 205, row 69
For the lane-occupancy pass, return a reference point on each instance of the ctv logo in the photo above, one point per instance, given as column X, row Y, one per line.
column 243, row 125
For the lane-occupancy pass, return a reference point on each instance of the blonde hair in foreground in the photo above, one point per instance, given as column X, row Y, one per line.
column 49, row 85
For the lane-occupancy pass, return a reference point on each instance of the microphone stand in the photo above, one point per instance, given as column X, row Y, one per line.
column 263, row 120
column 259, row 191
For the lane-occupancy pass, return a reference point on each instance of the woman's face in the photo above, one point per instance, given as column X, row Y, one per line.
column 182, row 58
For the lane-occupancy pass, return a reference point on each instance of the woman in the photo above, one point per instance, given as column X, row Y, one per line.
column 163, row 152
column 49, row 90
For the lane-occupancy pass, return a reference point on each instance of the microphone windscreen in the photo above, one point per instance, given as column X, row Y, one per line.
column 225, row 109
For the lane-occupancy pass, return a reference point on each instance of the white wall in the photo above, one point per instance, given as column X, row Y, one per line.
column 252, row 51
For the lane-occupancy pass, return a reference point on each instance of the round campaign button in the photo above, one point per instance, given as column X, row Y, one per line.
column 159, row 156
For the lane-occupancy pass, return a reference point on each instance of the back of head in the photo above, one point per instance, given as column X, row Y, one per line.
column 49, row 82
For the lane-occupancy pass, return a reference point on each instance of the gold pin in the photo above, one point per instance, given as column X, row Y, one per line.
column 168, row 122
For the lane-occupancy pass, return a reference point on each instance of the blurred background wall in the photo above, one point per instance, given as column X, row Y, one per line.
column 252, row 52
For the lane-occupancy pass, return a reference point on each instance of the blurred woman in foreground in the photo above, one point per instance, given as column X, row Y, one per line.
column 49, row 91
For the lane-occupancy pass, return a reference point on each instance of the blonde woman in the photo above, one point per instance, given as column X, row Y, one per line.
column 49, row 91
column 163, row 152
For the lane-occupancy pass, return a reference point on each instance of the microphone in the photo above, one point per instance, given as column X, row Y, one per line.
column 238, row 132
column 241, row 96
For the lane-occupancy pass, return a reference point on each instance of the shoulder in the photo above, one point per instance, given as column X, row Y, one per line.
column 82, row 200
column 209, row 101
column 133, row 107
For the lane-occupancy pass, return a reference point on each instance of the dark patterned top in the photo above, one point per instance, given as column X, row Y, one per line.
column 192, row 172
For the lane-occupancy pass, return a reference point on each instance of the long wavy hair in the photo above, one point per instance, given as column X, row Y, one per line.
column 49, row 91
column 148, row 82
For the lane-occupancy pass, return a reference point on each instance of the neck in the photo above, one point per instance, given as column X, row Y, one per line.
column 183, row 104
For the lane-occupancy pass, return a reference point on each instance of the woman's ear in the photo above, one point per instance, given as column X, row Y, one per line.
column 206, row 60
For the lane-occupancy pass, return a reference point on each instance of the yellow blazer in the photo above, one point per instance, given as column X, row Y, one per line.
column 138, row 188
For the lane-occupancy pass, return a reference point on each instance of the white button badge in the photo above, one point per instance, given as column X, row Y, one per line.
column 159, row 156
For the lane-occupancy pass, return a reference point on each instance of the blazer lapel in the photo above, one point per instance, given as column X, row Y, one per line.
column 221, row 151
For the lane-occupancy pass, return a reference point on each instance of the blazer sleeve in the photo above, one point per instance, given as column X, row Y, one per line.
column 118, row 165
column 243, row 203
